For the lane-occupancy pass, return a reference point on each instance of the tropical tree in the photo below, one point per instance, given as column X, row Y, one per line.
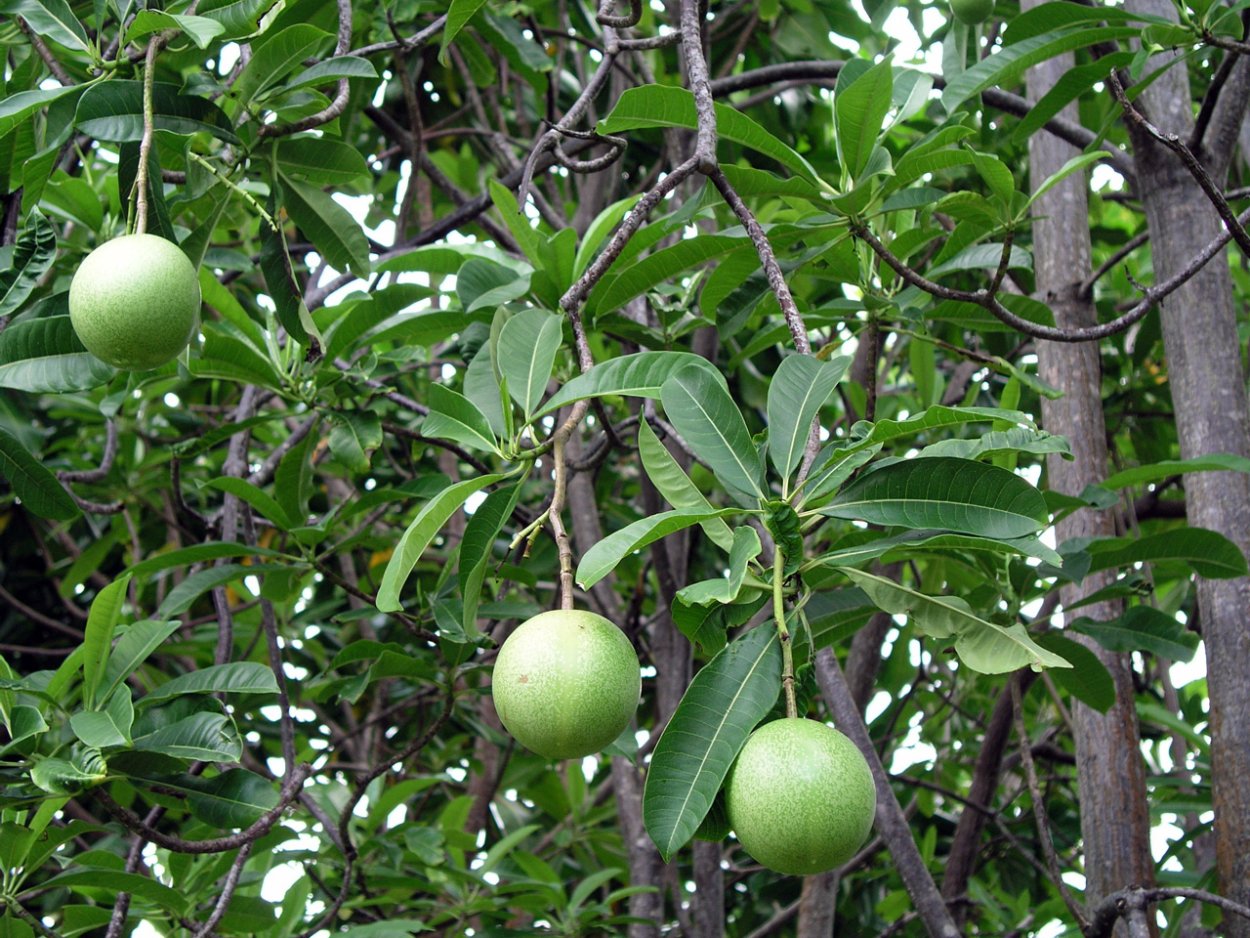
column 859, row 362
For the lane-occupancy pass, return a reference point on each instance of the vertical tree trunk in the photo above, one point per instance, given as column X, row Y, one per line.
column 1209, row 399
column 1115, row 821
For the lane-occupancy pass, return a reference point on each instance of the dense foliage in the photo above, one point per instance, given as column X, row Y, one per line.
column 723, row 323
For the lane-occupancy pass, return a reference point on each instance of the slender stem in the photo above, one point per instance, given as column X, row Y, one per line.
column 145, row 143
column 787, row 648
column 555, row 516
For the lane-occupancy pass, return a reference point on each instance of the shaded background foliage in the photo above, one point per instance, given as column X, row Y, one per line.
column 348, row 178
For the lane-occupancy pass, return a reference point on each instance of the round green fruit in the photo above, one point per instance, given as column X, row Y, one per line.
column 135, row 302
column 972, row 11
column 566, row 683
column 800, row 797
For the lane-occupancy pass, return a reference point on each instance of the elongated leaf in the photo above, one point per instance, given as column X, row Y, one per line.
column 328, row 225
column 33, row 483
column 641, row 374
column 656, row 268
column 603, row 225
column 1142, row 628
column 32, row 256
column 798, row 390
column 454, row 417
column 93, row 880
column 53, row 19
column 709, row 421
column 723, row 703
column 1088, row 680
column 1157, row 472
column 477, row 548
column 97, row 641
column 602, row 559
column 238, row 677
column 859, row 111
column 210, row 737
column 262, row 501
column 321, row 160
column 183, row 596
column 132, row 649
column 944, row 494
column 982, row 645
column 45, row 354
column 671, row 106
column 458, row 15
column 241, row 18
column 428, row 522
column 200, row 29
column 284, row 290
column 746, row 547
column 332, row 70
column 275, row 56
column 113, row 110
column 1209, row 553
column 354, row 435
column 528, row 345
column 97, row 729
column 209, row 550
column 19, row 106
column 672, row 482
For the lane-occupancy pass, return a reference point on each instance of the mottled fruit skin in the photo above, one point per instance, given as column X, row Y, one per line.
column 135, row 302
column 972, row 11
column 800, row 797
column 566, row 683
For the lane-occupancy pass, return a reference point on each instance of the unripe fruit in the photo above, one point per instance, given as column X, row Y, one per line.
column 972, row 11
column 800, row 797
column 135, row 302
column 566, row 683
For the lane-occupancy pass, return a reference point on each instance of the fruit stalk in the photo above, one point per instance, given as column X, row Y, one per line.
column 145, row 143
column 554, row 515
column 779, row 614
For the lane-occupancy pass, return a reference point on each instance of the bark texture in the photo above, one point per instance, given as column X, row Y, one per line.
column 1209, row 398
column 1115, row 820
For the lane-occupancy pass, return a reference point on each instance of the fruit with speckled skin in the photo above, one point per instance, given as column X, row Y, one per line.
column 972, row 11
column 566, row 683
column 800, row 797
column 134, row 302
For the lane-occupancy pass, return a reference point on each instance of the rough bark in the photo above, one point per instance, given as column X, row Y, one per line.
column 1209, row 399
column 1115, row 821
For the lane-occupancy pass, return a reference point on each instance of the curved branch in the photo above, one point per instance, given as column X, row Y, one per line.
column 1133, row 898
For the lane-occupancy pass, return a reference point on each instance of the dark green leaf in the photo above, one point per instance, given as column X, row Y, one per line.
column 1088, row 680
column 45, row 355
column 237, row 677
column 702, row 411
column 603, row 557
column 32, row 256
column 798, row 390
column 113, row 110
column 528, row 345
column 1142, row 628
column 641, row 374
column 39, row 489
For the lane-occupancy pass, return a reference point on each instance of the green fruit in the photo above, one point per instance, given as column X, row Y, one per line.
column 972, row 11
column 800, row 797
column 135, row 302
column 566, row 683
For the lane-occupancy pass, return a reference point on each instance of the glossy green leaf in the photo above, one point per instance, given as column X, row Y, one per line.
column 32, row 256
column 320, row 160
column 1142, row 628
column 185, row 556
column 39, row 490
column 528, row 345
column 52, row 19
column 237, row 677
column 1158, row 472
column 45, row 355
column 459, row 12
column 724, row 702
column 428, row 522
column 641, row 374
column 59, row 776
column 275, row 56
column 93, row 880
column 209, row 737
column 97, row 640
column 800, row 387
column 707, row 418
column 656, row 268
column 200, row 29
column 354, row 435
column 257, row 498
column 944, row 494
column 859, row 112
column 332, row 70
column 1209, row 553
column 477, row 548
column 485, row 284
column 672, row 482
column 97, row 729
column 1088, row 680
column 746, row 547
column 113, row 111
column 454, row 417
column 131, row 650
column 328, row 225
column 603, row 557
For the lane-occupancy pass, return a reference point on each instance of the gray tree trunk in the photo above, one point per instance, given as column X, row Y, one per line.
column 1115, row 820
column 1209, row 399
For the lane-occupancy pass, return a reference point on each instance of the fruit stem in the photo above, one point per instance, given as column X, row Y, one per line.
column 554, row 512
column 779, row 614
column 145, row 144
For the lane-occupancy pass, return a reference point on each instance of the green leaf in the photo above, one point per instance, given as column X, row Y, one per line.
column 1088, row 680
column 52, row 19
column 328, row 225
column 200, row 29
column 859, row 112
column 483, row 284
column 97, row 642
column 603, row 557
column 1142, row 628
column 428, row 522
column 45, row 355
column 702, row 411
column 354, row 436
column 275, row 56
column 724, row 702
column 69, row 776
column 113, row 111
column 656, row 268
column 97, row 881
column 97, row 730
column 186, row 556
column 32, row 256
column 454, row 417
column 132, row 649
column 209, row 737
column 24, row 722
column 518, row 224
column 477, row 548
column 641, row 374
column 603, row 225
column 262, row 501
column 528, row 345
column 1157, row 472
column 672, row 482
column 332, row 70
column 746, row 547
column 241, row 18
column 279, row 274
column 982, row 645
column 33, row 483
column 942, row 493
column 293, row 480
column 1209, row 553
column 458, row 15
column 238, row 677
column 183, row 596
column 798, row 390
column 320, row 160
column 671, row 106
